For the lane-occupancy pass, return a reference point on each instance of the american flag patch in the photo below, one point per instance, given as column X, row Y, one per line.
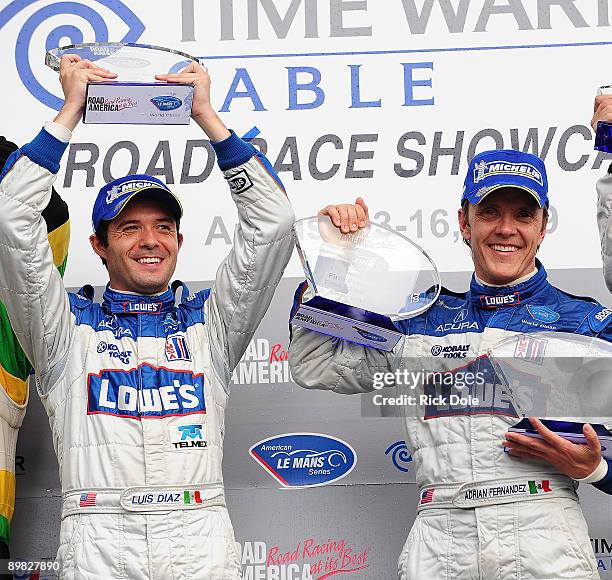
column 176, row 347
column 426, row 496
column 87, row 499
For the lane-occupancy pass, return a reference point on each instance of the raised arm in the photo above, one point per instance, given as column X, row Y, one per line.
column 263, row 241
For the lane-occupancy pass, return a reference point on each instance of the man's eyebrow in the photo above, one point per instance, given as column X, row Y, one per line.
column 136, row 221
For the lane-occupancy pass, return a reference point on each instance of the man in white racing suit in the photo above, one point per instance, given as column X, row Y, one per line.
column 136, row 387
column 482, row 513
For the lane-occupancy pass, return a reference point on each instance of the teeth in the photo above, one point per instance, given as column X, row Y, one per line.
column 505, row 248
column 149, row 261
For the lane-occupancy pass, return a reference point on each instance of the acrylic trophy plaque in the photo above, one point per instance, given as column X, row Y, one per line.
column 362, row 285
column 134, row 97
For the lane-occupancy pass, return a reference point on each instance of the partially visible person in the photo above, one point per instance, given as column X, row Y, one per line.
column 602, row 111
column 15, row 368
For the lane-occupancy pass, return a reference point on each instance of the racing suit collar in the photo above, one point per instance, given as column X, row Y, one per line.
column 491, row 298
column 127, row 303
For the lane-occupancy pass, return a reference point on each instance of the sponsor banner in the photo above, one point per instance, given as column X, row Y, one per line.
column 305, row 459
column 306, row 559
column 602, row 547
column 337, row 94
column 264, row 362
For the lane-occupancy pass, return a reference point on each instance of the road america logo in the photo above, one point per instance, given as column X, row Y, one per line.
column 307, row 559
column 304, row 459
column 264, row 362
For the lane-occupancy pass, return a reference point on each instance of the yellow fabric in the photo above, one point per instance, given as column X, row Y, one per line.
column 59, row 240
column 7, row 494
column 15, row 388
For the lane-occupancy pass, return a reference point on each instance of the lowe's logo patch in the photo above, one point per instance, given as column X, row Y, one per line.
column 543, row 313
column 166, row 102
column 498, row 300
column 145, row 392
column 304, row 459
column 142, row 307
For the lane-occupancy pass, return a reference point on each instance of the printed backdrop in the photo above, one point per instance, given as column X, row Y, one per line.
column 386, row 100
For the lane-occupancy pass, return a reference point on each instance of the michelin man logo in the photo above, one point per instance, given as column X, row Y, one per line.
column 64, row 34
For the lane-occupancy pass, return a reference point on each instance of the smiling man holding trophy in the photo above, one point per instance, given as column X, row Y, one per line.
column 492, row 503
column 136, row 387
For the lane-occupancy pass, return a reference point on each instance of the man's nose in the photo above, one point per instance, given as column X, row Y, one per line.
column 148, row 238
column 506, row 225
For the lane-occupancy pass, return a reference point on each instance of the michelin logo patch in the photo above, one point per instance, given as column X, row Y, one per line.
column 129, row 187
column 483, row 170
column 240, row 182
column 145, row 392
column 304, row 459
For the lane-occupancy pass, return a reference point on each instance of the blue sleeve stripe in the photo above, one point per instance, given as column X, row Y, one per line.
column 10, row 162
column 297, row 299
column 605, row 484
column 263, row 160
column 232, row 152
column 45, row 150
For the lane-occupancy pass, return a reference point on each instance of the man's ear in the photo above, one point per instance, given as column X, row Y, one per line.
column 98, row 246
column 464, row 224
column 180, row 241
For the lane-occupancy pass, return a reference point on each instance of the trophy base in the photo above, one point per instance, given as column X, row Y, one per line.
column 603, row 137
column 570, row 430
column 347, row 322
column 123, row 103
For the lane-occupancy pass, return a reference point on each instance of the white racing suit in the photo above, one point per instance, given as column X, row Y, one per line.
column 136, row 387
column 482, row 514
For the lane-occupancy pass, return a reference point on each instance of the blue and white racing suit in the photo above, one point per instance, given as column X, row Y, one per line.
column 136, row 387
column 527, row 523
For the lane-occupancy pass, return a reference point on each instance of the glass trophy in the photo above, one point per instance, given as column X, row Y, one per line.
column 562, row 378
column 134, row 97
column 362, row 284
column 603, row 135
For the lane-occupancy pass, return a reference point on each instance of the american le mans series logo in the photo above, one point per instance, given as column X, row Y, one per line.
column 166, row 102
column 304, row 459
column 145, row 392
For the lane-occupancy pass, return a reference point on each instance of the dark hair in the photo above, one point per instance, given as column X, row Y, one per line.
column 102, row 233
column 465, row 205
